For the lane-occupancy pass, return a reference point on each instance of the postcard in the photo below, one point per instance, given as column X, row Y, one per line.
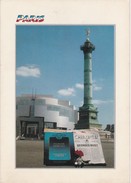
column 64, row 91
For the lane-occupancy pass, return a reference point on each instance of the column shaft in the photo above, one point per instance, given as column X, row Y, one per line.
column 87, row 79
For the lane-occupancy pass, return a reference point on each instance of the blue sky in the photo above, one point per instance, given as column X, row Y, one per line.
column 49, row 60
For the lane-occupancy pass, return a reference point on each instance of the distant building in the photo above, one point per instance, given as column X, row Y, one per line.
column 33, row 114
column 110, row 128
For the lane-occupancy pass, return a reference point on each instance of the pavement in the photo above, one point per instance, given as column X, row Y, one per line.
column 30, row 154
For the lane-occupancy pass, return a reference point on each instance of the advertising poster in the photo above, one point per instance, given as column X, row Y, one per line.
column 88, row 145
column 58, row 148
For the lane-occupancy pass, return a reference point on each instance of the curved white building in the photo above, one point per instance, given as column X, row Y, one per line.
column 42, row 111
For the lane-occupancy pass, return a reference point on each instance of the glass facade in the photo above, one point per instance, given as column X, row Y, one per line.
column 57, row 114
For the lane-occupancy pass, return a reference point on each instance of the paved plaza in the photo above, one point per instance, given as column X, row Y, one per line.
column 30, row 154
